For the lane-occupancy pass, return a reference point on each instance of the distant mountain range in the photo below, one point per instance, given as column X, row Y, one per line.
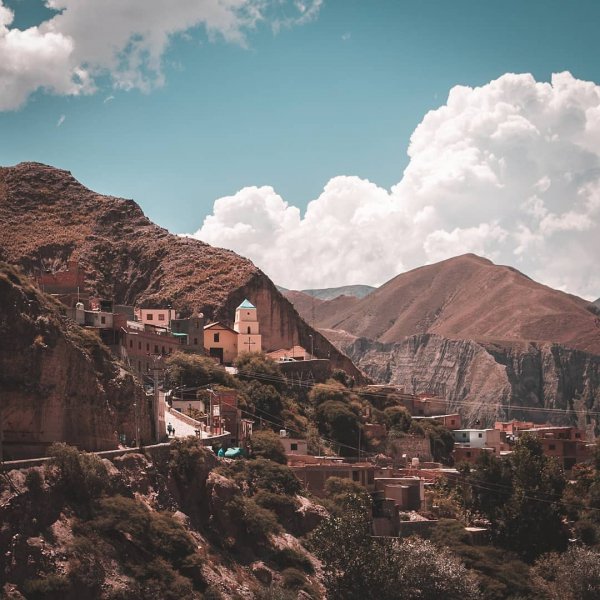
column 597, row 302
column 473, row 331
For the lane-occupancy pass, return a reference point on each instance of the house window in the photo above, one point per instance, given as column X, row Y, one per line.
column 248, row 329
column 149, row 316
column 355, row 476
column 155, row 349
column 147, row 347
column 103, row 320
column 197, row 324
column 131, row 343
column 552, row 447
column 216, row 337
column 195, row 341
column 468, row 454
column 577, row 435
column 161, row 316
column 139, row 345
column 293, row 446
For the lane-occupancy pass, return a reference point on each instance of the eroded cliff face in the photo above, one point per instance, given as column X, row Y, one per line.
column 57, row 381
column 485, row 381
column 47, row 218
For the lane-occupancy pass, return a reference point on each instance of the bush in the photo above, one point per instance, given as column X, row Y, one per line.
column 288, row 557
column 46, row 588
column 81, row 476
column 283, row 506
column 257, row 522
column 587, row 532
column 266, row 444
column 292, row 579
column 265, row 399
column 186, row 455
column 193, row 370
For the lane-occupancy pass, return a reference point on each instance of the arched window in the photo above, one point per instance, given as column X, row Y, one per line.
column 248, row 329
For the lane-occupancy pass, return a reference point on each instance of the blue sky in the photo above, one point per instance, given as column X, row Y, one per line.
column 336, row 94
column 339, row 95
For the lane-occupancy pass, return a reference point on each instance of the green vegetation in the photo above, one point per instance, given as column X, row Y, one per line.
column 266, row 444
column 194, row 370
column 359, row 566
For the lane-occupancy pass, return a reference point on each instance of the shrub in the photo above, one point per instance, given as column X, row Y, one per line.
column 265, row 399
column 292, row 579
column 283, row 506
column 288, row 557
column 186, row 455
column 587, row 532
column 266, row 444
column 257, row 522
column 47, row 588
column 81, row 475
column 192, row 370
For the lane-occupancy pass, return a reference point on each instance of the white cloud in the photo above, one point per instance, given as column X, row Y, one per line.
column 61, row 120
column 509, row 170
column 125, row 39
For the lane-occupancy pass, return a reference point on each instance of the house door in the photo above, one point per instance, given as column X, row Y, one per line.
column 217, row 353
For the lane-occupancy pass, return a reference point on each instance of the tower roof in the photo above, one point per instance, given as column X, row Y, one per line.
column 246, row 304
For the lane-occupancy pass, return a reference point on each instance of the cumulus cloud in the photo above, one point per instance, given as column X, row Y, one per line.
column 509, row 170
column 124, row 39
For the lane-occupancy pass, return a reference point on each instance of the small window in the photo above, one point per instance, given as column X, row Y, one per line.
column 131, row 343
column 197, row 324
column 216, row 337
column 195, row 341
column 139, row 365
column 155, row 349
column 355, row 476
column 163, row 350
column 552, row 446
column 139, row 345
column 103, row 320
column 293, row 446
column 249, row 330
column 480, row 435
column 147, row 347
column 150, row 317
column 161, row 316
column 577, row 435
column 468, row 454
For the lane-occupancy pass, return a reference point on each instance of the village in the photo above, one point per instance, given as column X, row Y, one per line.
column 398, row 480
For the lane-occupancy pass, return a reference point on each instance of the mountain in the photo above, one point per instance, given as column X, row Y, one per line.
column 484, row 336
column 357, row 291
column 47, row 218
column 596, row 302
column 58, row 381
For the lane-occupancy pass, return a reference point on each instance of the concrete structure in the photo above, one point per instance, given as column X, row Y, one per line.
column 566, row 444
column 246, row 325
column 193, row 330
column 294, row 353
column 67, row 286
column 294, row 445
column 314, row 476
column 452, row 421
column 479, row 438
column 221, row 342
column 159, row 317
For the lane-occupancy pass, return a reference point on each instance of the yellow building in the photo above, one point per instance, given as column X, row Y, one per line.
column 246, row 325
column 221, row 342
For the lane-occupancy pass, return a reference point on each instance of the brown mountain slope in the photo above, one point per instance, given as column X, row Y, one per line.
column 469, row 297
column 47, row 217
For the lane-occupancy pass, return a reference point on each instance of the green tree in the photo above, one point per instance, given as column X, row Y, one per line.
column 358, row 566
column 337, row 421
column 193, row 370
column 264, row 399
column 258, row 366
column 266, row 444
column 398, row 418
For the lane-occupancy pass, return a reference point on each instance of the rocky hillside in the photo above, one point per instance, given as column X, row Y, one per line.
column 356, row 291
column 56, row 379
column 171, row 524
column 485, row 336
column 47, row 218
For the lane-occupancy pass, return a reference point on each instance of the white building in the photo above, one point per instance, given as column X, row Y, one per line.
column 478, row 438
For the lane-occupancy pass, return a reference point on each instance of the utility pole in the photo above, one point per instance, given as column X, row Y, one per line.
column 137, row 426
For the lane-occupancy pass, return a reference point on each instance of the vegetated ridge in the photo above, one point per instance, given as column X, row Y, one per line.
column 58, row 381
column 48, row 218
column 357, row 291
column 484, row 336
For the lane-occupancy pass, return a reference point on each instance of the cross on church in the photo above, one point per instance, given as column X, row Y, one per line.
column 249, row 343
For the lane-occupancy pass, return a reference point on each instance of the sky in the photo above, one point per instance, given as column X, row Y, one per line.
column 332, row 142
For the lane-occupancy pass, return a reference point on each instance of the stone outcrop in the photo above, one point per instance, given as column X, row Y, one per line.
column 487, row 381
column 48, row 218
column 57, row 380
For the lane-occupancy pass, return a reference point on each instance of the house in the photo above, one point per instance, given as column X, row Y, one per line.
column 67, row 286
column 192, row 330
column 294, row 445
column 452, row 421
column 221, row 342
column 314, row 475
column 567, row 444
column 246, row 325
column 294, row 353
column 160, row 317
column 478, row 438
